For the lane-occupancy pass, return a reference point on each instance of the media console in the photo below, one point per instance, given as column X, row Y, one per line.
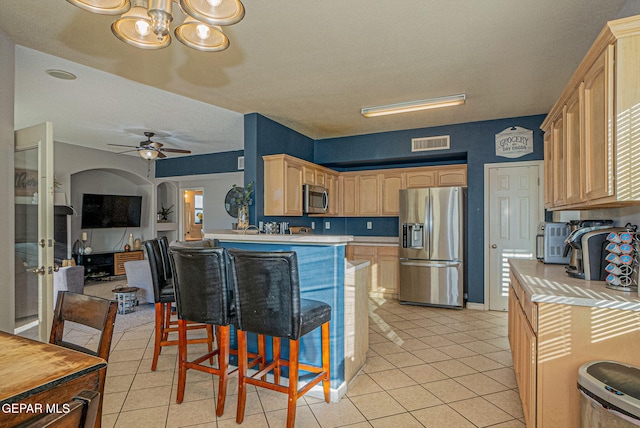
column 107, row 264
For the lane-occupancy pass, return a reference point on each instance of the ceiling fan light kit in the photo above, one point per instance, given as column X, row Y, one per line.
column 145, row 24
column 150, row 150
column 410, row 106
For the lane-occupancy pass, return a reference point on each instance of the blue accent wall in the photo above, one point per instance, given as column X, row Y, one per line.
column 264, row 137
column 473, row 142
column 210, row 163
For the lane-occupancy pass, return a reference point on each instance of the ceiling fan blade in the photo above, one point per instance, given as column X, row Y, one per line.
column 121, row 145
column 161, row 155
column 154, row 144
column 127, row 151
column 175, row 150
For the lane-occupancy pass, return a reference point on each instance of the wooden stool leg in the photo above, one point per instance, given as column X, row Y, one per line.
column 223, row 334
column 262, row 352
column 294, row 350
column 159, row 333
column 275, row 342
column 242, row 373
column 182, row 359
column 167, row 320
column 210, row 342
column 326, row 361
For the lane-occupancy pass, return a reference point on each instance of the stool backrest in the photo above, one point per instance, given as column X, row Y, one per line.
column 164, row 251
column 158, row 277
column 266, row 292
column 201, row 284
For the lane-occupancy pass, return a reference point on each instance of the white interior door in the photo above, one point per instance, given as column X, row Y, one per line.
column 34, row 186
column 515, row 208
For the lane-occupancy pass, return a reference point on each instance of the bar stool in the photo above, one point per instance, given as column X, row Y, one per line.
column 267, row 302
column 164, row 296
column 203, row 295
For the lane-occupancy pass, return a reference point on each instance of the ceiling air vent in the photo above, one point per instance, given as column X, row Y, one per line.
column 240, row 163
column 430, row 143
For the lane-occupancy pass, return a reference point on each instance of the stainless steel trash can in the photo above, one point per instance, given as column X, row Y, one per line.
column 609, row 395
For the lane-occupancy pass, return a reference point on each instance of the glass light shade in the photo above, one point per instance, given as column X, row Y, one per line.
column 191, row 33
column 148, row 154
column 228, row 12
column 103, row 7
column 411, row 106
column 129, row 29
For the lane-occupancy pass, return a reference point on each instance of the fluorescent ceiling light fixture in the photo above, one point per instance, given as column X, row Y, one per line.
column 452, row 100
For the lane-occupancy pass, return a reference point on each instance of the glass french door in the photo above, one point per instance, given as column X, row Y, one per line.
column 34, row 186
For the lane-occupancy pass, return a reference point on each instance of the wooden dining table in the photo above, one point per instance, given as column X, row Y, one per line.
column 37, row 378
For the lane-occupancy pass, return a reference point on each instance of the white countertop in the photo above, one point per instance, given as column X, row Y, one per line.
column 547, row 283
column 354, row 265
column 251, row 236
column 375, row 240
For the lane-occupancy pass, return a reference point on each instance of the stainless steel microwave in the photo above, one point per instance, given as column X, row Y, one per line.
column 315, row 199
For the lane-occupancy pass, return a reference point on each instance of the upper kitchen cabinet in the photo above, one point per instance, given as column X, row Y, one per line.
column 391, row 182
column 591, row 156
column 284, row 177
column 440, row 176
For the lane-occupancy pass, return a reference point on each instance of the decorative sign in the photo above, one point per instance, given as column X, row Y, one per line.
column 26, row 182
column 514, row 142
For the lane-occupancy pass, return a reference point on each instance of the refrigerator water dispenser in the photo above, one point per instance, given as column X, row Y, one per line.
column 412, row 235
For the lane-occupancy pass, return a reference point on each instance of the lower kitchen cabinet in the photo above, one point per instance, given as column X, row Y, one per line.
column 384, row 267
column 550, row 341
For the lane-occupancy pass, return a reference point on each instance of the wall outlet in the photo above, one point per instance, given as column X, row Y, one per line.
column 369, row 225
column 327, row 225
column 313, row 225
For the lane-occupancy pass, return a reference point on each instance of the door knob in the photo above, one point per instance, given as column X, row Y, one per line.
column 39, row 271
column 494, row 246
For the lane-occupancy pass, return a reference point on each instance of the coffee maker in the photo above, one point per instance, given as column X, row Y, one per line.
column 574, row 244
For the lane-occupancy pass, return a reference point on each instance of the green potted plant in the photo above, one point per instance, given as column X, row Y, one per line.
column 163, row 214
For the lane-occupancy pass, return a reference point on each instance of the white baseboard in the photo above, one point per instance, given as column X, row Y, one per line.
column 476, row 306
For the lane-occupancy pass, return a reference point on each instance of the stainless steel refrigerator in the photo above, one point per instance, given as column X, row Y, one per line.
column 432, row 246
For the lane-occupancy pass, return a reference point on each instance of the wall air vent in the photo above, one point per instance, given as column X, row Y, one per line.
column 430, row 143
column 240, row 163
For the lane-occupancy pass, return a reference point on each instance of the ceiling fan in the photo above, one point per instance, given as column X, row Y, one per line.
column 151, row 149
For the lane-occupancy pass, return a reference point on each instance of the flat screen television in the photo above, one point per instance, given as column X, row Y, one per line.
column 107, row 211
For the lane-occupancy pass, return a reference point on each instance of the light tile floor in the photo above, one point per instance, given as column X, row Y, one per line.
column 426, row 367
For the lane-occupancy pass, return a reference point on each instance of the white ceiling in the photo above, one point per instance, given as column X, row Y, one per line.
column 306, row 64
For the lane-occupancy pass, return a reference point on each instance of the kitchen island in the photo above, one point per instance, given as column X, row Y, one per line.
column 322, row 269
column 556, row 324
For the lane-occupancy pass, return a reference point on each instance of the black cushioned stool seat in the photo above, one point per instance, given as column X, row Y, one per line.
column 267, row 301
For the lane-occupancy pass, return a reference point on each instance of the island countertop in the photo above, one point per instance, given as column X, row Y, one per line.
column 298, row 239
column 548, row 283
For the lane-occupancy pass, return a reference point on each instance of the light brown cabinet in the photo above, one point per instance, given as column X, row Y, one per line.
column 119, row 260
column 371, row 193
column 391, row 183
column 573, row 149
column 550, row 341
column 385, row 274
column 283, row 179
column 368, row 194
column 592, row 159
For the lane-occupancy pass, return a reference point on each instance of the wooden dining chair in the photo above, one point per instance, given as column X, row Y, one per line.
column 91, row 311
column 80, row 412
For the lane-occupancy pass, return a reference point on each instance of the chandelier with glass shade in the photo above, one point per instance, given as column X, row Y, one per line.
column 145, row 23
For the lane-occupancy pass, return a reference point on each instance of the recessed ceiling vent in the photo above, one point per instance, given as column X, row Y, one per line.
column 240, row 163
column 430, row 143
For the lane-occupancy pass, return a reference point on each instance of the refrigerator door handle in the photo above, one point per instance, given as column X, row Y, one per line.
column 428, row 263
column 428, row 226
